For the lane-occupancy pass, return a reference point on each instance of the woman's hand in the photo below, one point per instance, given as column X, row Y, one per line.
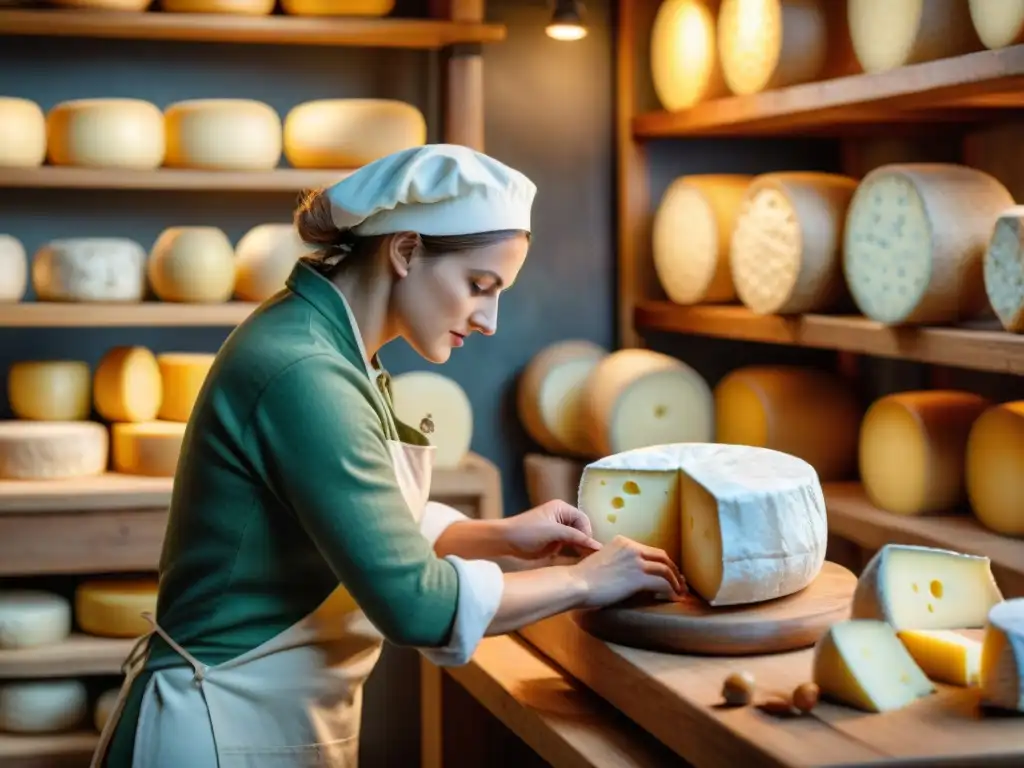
column 624, row 567
column 543, row 531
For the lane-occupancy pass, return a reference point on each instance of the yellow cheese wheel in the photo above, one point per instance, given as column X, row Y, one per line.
column 105, row 5
column 106, row 133
column 338, row 7
column 113, row 607
column 264, row 258
column 22, row 133
column 50, row 390
column 223, row 134
column 237, row 7
column 150, row 448
column 998, row 23
column 995, row 468
column 192, row 265
column 685, row 66
column 127, row 385
column 183, row 375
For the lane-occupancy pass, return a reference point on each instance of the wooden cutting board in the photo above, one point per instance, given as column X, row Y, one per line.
column 694, row 627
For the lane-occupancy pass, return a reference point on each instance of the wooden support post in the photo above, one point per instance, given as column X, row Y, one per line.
column 463, row 98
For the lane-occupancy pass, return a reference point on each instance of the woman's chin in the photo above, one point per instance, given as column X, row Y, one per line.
column 434, row 353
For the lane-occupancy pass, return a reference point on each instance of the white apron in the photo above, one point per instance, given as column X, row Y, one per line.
column 293, row 702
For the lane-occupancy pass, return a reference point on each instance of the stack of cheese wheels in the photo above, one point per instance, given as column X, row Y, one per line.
column 685, row 66
column 439, row 409
column 912, row 449
column 52, row 450
column 998, row 23
column 691, row 236
column 744, row 524
column 1004, row 270
column 995, row 468
column 264, row 258
column 13, row 269
column 231, row 7
column 42, row 706
column 113, row 607
column 548, row 396
column 812, row 414
column 636, row 397
column 22, row 133
column 915, row 241
column 50, row 390
column 31, row 618
column 192, row 265
column 348, row 133
column 786, row 251
column 94, row 269
column 338, row 7
column 183, row 375
column 223, row 134
column 106, row 133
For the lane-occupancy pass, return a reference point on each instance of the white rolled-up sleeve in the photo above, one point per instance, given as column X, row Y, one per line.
column 481, row 586
column 436, row 518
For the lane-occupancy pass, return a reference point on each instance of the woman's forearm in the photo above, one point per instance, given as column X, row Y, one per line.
column 473, row 540
column 530, row 596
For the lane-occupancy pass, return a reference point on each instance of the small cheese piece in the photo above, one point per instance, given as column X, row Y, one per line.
column 915, row 241
column 913, row 587
column 30, row 618
column 128, row 385
column 50, row 390
column 685, row 67
column 114, row 607
column 348, row 133
column 636, row 397
column 106, row 133
column 998, row 23
column 863, row 664
column 808, row 413
column 1002, row 657
column 183, row 375
column 786, row 251
column 54, row 450
column 104, row 708
column 1004, row 270
column 944, row 656
column 692, row 231
column 22, row 133
column 42, row 706
column 337, row 7
column 103, row 269
column 744, row 524
column 912, row 449
column 995, row 468
column 192, row 265
column 13, row 269
column 264, row 258
column 223, row 134
column 549, row 392
column 150, row 448
column 439, row 409
column 231, row 7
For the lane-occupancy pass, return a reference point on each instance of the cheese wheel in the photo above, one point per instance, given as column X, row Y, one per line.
column 264, row 258
column 193, row 265
column 338, row 7
column 105, row 5
column 915, row 241
column 104, row 708
column 1004, row 270
column 811, row 414
column 439, row 408
column 42, row 706
column 13, row 269
column 887, row 35
column 106, row 133
column 786, row 251
column 635, row 398
column 149, row 448
column 1002, row 657
column 223, row 134
column 56, row 450
column 685, row 67
column 231, row 7
column 22, row 133
column 995, row 468
column 348, row 133
column 113, row 607
column 691, row 235
column 127, row 385
column 50, row 390
column 30, row 618
column 998, row 23
column 766, row 44
column 103, row 269
column 183, row 376
column 912, row 449
column 548, row 396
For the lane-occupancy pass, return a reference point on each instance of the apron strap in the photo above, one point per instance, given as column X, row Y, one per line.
column 198, row 668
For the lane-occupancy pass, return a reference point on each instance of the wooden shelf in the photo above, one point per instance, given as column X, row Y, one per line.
column 980, row 348
column 43, row 314
column 79, row 655
column 48, row 750
column 108, row 492
column 423, row 34
column 953, row 89
column 61, row 177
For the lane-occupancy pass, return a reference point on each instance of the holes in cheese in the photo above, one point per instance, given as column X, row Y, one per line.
column 223, row 134
column 1002, row 657
column 30, row 618
column 106, row 133
column 50, row 390
column 944, row 656
column 113, row 607
column 439, row 409
column 913, row 587
column 13, row 268
column 995, row 468
column 149, row 448
column 42, row 706
column 691, row 234
column 998, row 23
column 52, row 450
column 915, row 241
column 192, row 265
column 235, row 7
column 337, row 7
column 90, row 269
column 127, row 385
column 183, row 375
column 348, row 133
column 685, row 67
column 912, row 449
column 1004, row 270
column 744, row 524
column 548, row 397
column 22, row 133
column 636, row 397
column 863, row 664
column 104, row 708
column 264, row 258
column 786, row 251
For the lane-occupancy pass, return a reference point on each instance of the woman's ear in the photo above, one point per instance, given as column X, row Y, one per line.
column 401, row 250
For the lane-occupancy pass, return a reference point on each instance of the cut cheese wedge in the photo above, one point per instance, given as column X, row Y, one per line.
column 1002, row 657
column 193, row 265
column 50, row 390
column 114, row 607
column 52, row 450
column 995, row 468
column 223, row 134
column 149, row 448
column 183, row 375
column 30, row 618
column 127, row 385
column 998, row 23
column 22, row 133
column 13, row 269
column 685, row 67
column 439, row 409
column 944, row 656
column 106, row 133
column 914, row 587
column 264, row 258
column 42, row 706
column 102, row 269
column 1004, row 270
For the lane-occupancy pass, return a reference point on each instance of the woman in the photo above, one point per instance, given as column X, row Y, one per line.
column 300, row 535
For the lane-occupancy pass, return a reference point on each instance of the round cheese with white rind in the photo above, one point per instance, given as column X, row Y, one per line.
column 13, row 269
column 337, row 7
column 192, row 265
column 128, row 385
column 42, row 706
column 22, row 133
column 685, row 67
column 1002, row 657
column 30, row 618
column 229, row 7
column 994, row 468
column 1004, row 270
column 223, row 135
column 146, row 448
column 50, row 390
column 915, row 242
column 998, row 23
column 106, row 133
column 54, row 450
column 101, row 269
column 439, row 409
column 264, row 258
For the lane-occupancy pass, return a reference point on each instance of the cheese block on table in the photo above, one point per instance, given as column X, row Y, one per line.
column 944, row 656
column 439, row 409
column 183, row 375
column 744, row 524
column 786, row 251
column 914, row 587
column 1002, row 657
column 912, row 449
column 637, row 397
column 223, row 134
column 106, row 133
column 691, row 234
column 22, row 133
column 50, row 390
column 548, row 397
column 995, row 468
column 114, row 607
column 998, row 23
column 192, row 265
column 264, row 258
column 101, row 269
column 230, row 7
column 127, row 385
column 149, row 448
column 52, row 450
column 13, row 269
column 863, row 664
column 30, row 618
column 915, row 242
column 1004, row 270
column 104, row 707
column 685, row 67
column 337, row 7
column 42, row 706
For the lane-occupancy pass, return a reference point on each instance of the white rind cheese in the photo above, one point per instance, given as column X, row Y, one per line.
column 998, row 23
column 106, row 133
column 192, row 265
column 1002, row 657
column 56, row 450
column 439, row 409
column 102, row 269
column 50, row 390
column 13, row 269
column 223, row 134
column 995, row 468
column 30, row 618
column 264, row 258
column 1004, row 270
column 685, row 67
column 22, row 133
column 42, row 706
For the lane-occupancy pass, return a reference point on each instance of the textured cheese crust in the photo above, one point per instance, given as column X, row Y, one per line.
column 50, row 390
column 944, row 656
column 22, row 133
column 149, row 448
column 913, row 587
column 264, row 258
column 90, row 269
column 30, row 618
column 995, row 468
column 55, row 450
column 237, row 7
column 106, row 133
column 337, row 7
column 915, row 241
column 192, row 265
column 685, row 67
column 127, row 385
column 104, row 708
column 183, row 375
column 42, row 706
column 745, row 524
column 912, row 449
column 1002, row 657
column 113, row 607
column 998, row 23
column 223, row 134
column 691, row 234
column 13, row 269
column 440, row 409
column 1004, row 270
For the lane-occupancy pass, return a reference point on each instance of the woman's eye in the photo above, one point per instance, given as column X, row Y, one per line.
column 477, row 288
